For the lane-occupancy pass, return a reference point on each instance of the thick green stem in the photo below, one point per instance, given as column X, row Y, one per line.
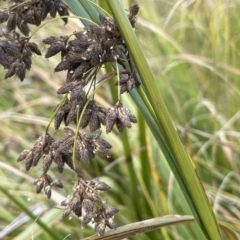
column 199, row 201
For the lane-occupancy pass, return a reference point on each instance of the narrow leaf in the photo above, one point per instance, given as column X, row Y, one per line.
column 133, row 229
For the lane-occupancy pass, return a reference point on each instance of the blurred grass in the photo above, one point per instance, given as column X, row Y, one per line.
column 193, row 47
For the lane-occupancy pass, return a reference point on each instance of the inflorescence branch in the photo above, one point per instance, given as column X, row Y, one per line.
column 83, row 54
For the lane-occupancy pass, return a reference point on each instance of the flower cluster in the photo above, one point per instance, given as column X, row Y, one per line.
column 32, row 156
column 15, row 50
column 16, row 56
column 22, row 12
column 45, row 183
column 126, row 83
column 94, row 115
column 120, row 116
column 86, row 203
column 89, row 50
column 60, row 151
column 82, row 56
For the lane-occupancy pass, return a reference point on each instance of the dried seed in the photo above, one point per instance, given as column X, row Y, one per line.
column 58, row 119
column 12, row 22
column 22, row 25
column 120, row 126
column 110, row 119
column 94, row 124
column 100, row 227
column 54, row 48
column 3, row 58
column 34, row 48
column 66, row 212
column 47, row 161
column 23, row 155
column 111, row 223
column 39, row 185
column 3, row 16
column 64, row 65
column 48, row 191
column 86, row 118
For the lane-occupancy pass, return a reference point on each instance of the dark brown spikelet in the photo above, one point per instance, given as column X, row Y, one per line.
column 57, row 44
column 16, row 68
column 104, row 216
column 101, row 147
column 93, row 116
column 85, row 203
column 67, row 87
column 3, row 58
column 3, row 16
column 127, row 83
column 23, row 26
column 16, row 57
column 46, row 183
column 18, row 17
column 63, row 11
column 110, row 119
column 58, row 159
column 98, row 185
column 11, row 23
column 58, row 119
column 23, row 155
column 133, row 11
column 9, row 51
column 120, row 116
column 34, row 48
column 32, row 12
column 40, row 147
column 20, row 70
column 47, row 161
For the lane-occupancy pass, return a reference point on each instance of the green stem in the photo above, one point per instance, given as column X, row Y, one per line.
column 113, row 89
column 198, row 199
column 55, row 113
column 118, row 79
column 132, row 175
column 146, row 171
column 146, row 102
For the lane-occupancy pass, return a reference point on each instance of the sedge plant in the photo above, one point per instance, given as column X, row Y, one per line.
column 107, row 42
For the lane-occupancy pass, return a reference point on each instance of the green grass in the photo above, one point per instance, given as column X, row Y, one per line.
column 193, row 53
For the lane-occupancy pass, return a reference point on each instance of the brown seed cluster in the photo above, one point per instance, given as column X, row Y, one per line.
column 120, row 116
column 89, row 50
column 45, row 183
column 60, row 151
column 21, row 13
column 15, row 50
column 126, row 83
column 82, row 56
column 16, row 56
column 86, row 203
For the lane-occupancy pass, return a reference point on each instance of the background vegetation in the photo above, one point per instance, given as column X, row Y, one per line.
column 192, row 48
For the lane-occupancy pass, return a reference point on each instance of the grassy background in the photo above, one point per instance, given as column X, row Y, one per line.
column 193, row 50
